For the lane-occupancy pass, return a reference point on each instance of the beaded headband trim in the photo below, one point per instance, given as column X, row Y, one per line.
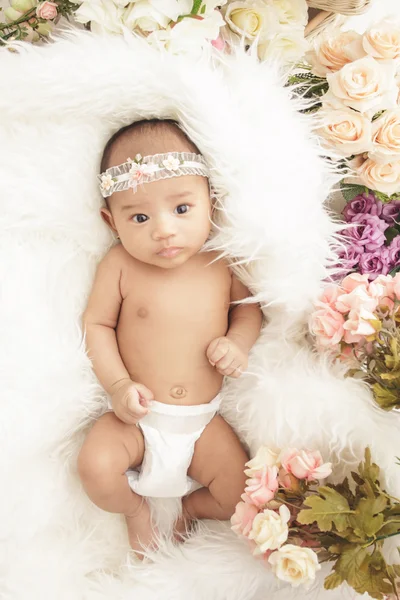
column 144, row 169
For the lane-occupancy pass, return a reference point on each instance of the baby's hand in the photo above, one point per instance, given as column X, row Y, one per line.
column 131, row 401
column 227, row 357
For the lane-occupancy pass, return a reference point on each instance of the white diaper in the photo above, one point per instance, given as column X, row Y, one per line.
column 170, row 432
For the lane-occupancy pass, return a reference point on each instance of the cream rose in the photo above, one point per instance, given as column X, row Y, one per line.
column 331, row 54
column 295, row 564
column 104, row 16
column 386, row 137
column 347, row 131
column 142, row 15
column 288, row 45
column 382, row 177
column 364, row 85
column 383, row 41
column 270, row 529
column 263, row 458
column 246, row 18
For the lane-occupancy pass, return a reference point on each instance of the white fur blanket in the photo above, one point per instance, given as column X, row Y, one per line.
column 58, row 105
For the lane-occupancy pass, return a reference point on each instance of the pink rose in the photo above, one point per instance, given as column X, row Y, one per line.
column 358, row 298
column 383, row 290
column 262, row 487
column 47, row 10
column 305, row 464
column 359, row 325
column 287, row 480
column 327, row 325
column 352, row 281
column 243, row 517
column 329, row 296
column 219, row 43
column 396, row 285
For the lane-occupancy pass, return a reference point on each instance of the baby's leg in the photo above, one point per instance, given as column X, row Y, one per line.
column 218, row 463
column 110, row 448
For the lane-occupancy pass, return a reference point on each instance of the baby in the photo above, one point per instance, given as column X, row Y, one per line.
column 162, row 332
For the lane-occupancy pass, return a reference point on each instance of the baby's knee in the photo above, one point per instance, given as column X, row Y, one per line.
column 96, row 468
column 233, row 485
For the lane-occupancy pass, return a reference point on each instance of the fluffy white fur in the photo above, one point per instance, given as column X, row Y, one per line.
column 58, row 106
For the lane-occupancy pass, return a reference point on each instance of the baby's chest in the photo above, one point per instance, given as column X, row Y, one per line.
column 200, row 298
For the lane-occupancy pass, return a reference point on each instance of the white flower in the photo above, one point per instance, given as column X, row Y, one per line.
column 142, row 15
column 249, row 19
column 263, row 458
column 171, row 163
column 190, row 35
column 295, row 564
column 270, row 529
column 103, row 15
column 138, row 157
column 288, row 45
column 106, row 182
column 364, row 85
column 382, row 41
column 137, row 171
column 291, row 12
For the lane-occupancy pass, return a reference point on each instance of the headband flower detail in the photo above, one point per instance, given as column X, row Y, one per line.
column 150, row 168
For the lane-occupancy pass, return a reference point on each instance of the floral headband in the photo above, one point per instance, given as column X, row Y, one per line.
column 150, row 168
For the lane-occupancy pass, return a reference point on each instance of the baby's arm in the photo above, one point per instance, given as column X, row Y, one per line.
column 229, row 354
column 100, row 320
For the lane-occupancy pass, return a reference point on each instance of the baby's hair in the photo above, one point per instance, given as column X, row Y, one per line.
column 146, row 126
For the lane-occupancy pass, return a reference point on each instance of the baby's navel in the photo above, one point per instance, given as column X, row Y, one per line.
column 142, row 312
column 178, row 392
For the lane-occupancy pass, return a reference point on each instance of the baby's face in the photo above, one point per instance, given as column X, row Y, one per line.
column 165, row 222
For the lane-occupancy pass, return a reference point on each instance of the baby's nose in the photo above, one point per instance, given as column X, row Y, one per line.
column 164, row 229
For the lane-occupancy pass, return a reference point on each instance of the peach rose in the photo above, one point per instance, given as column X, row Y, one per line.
column 382, row 288
column 384, row 178
column 331, row 54
column 327, row 325
column 305, row 464
column 262, row 487
column 347, row 131
column 47, row 10
column 364, row 85
column 243, row 517
column 383, row 41
column 329, row 296
column 386, row 137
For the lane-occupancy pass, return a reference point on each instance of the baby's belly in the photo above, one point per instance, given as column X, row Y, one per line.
column 173, row 365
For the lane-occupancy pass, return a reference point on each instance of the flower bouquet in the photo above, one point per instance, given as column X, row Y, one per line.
column 352, row 83
column 30, row 20
column 371, row 245
column 294, row 524
column 276, row 26
column 358, row 322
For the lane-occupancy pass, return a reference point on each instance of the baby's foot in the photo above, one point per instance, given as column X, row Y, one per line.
column 140, row 530
column 183, row 526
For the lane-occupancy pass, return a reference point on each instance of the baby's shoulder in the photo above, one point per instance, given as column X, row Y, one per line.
column 116, row 256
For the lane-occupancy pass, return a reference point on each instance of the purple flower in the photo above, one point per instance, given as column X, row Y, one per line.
column 349, row 257
column 362, row 204
column 374, row 264
column 368, row 232
column 390, row 212
column 393, row 253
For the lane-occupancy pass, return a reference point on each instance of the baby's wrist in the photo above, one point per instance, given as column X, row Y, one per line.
column 239, row 340
column 117, row 385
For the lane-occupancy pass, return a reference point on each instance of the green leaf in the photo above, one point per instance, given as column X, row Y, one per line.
column 369, row 473
column 195, row 7
column 328, row 509
column 344, row 489
column 351, row 190
column 394, row 271
column 368, row 517
column 390, row 528
column 332, row 581
column 203, row 9
column 391, row 233
column 364, row 572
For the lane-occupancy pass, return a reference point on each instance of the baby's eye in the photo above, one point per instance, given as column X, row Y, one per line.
column 140, row 218
column 182, row 209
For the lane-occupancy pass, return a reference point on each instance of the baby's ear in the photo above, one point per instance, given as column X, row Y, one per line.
column 108, row 218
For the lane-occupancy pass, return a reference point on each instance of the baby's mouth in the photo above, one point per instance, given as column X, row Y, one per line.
column 170, row 252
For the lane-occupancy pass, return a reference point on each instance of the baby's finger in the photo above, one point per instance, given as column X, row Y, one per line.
column 226, row 361
column 146, row 395
column 217, row 350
